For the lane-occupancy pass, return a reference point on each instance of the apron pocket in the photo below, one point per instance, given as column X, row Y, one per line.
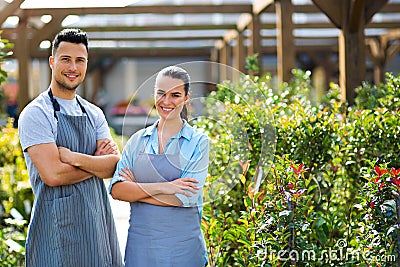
column 66, row 214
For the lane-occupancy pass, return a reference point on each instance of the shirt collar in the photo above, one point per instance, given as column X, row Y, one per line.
column 186, row 132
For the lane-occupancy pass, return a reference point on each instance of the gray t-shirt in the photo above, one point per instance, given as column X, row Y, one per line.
column 37, row 124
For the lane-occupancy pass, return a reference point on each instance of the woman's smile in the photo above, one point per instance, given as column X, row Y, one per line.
column 170, row 97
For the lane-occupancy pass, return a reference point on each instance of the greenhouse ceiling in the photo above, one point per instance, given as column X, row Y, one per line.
column 169, row 28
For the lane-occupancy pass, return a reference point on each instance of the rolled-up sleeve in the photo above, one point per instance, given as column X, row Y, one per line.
column 127, row 160
column 196, row 168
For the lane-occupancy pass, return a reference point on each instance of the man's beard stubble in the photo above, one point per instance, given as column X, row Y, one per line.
column 65, row 86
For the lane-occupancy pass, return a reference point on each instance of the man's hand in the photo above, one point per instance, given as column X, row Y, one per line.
column 107, row 147
column 66, row 155
column 102, row 164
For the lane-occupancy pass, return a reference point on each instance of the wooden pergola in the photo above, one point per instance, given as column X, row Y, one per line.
column 239, row 39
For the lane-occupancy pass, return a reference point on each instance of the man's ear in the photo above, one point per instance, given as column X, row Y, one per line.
column 51, row 61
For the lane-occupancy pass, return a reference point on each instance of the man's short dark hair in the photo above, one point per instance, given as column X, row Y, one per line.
column 75, row 36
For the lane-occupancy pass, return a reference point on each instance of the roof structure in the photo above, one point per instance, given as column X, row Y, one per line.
column 224, row 31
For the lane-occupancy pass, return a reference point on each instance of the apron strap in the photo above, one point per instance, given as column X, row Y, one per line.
column 56, row 105
column 178, row 147
column 147, row 138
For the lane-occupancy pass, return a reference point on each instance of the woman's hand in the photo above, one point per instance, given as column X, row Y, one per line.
column 127, row 174
column 178, row 186
column 107, row 147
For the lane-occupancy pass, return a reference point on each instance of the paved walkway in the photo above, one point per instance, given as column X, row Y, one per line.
column 121, row 216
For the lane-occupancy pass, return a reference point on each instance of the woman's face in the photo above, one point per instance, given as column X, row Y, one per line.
column 169, row 97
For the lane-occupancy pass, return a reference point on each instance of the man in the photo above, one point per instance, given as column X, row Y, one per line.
column 68, row 148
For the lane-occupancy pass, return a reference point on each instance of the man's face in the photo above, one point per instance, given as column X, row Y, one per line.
column 69, row 65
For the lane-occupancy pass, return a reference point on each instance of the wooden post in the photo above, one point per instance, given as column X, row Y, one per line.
column 381, row 52
column 352, row 50
column 23, row 57
column 226, row 60
column 255, row 39
column 377, row 54
column 213, row 70
column 350, row 16
column 285, row 45
column 239, row 53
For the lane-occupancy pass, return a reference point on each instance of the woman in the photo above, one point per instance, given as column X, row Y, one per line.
column 161, row 172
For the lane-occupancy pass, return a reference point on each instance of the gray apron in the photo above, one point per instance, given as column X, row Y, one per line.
column 72, row 225
column 162, row 236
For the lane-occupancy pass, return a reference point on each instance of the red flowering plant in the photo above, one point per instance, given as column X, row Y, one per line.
column 379, row 205
column 286, row 216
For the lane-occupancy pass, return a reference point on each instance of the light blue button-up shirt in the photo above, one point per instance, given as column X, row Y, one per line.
column 194, row 157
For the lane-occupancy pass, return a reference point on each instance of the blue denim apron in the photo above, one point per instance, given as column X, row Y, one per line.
column 72, row 225
column 162, row 236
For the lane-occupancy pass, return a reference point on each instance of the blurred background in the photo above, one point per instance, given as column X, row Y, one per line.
column 131, row 40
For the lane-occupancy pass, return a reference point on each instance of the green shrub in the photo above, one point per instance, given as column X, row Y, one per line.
column 378, row 205
column 386, row 96
column 332, row 141
column 16, row 198
column 12, row 243
column 15, row 189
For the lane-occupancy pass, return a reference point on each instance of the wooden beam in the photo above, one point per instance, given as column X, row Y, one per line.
column 129, row 52
column 271, row 50
column 159, row 52
column 174, row 51
column 392, row 34
column 389, row 8
column 332, row 10
column 153, row 9
column 155, row 39
column 230, row 35
column 243, row 22
column 8, row 32
column 189, row 27
column 190, row 9
column 47, row 32
column 219, row 44
column 323, row 25
column 372, row 7
column 260, row 5
column 10, row 10
column 392, row 51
